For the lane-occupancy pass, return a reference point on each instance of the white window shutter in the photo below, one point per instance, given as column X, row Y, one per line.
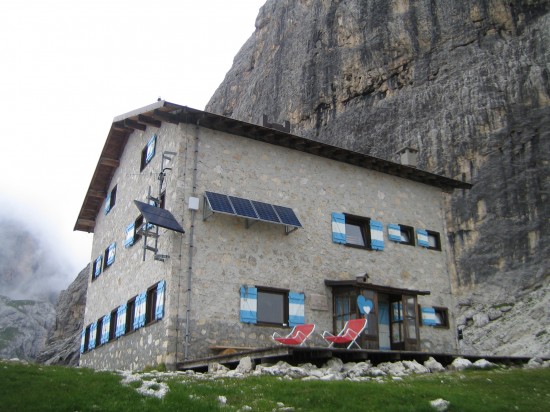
column 339, row 228
column 376, row 235
column 249, row 304
column 296, row 309
column 159, row 310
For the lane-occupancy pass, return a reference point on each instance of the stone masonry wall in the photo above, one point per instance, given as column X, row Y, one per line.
column 227, row 255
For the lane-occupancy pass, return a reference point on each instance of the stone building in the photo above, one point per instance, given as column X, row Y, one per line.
column 209, row 231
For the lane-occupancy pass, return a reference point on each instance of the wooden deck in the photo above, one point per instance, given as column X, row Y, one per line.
column 319, row 355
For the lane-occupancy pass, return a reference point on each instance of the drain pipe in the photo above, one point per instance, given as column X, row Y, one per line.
column 191, row 245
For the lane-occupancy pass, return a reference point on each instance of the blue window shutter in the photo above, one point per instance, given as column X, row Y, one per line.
column 339, row 228
column 428, row 316
column 159, row 310
column 139, row 311
column 120, row 320
column 249, row 304
column 397, row 308
column 111, row 254
column 130, row 230
column 105, row 327
column 376, row 235
column 93, row 333
column 143, row 306
column 422, row 238
column 394, row 232
column 296, row 312
column 97, row 266
column 151, row 145
column 82, row 340
column 108, row 203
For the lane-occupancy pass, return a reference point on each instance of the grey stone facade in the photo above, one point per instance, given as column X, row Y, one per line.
column 219, row 255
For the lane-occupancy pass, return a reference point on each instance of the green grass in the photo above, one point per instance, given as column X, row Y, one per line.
column 42, row 388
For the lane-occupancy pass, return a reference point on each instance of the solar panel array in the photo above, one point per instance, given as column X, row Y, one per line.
column 252, row 209
column 158, row 216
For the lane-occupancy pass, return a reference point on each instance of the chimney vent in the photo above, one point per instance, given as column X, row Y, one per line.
column 408, row 156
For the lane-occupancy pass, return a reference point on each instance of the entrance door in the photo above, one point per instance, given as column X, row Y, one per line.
column 404, row 323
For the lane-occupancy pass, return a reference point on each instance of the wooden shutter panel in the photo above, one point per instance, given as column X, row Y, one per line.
column 428, row 316
column 97, row 266
column 105, row 327
column 111, row 254
column 120, row 320
column 339, row 228
column 296, row 309
column 422, row 238
column 249, row 304
column 376, row 235
column 82, row 340
column 93, row 333
column 139, row 314
column 394, row 232
column 151, row 145
column 108, row 203
column 130, row 230
column 159, row 310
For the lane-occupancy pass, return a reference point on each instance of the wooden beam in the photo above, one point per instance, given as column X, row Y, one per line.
column 96, row 193
column 105, row 161
column 170, row 118
column 120, row 126
column 86, row 222
column 149, row 120
column 132, row 124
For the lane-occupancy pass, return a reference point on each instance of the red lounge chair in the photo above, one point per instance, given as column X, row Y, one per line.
column 297, row 336
column 352, row 330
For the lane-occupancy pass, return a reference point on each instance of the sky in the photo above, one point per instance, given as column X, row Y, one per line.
column 68, row 67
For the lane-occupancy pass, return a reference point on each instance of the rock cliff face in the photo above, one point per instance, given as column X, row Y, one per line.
column 24, row 325
column 63, row 340
column 467, row 83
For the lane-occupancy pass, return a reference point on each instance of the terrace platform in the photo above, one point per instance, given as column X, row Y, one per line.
column 319, row 355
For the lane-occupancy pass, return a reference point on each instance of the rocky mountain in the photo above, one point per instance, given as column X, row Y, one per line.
column 24, row 325
column 62, row 346
column 467, row 83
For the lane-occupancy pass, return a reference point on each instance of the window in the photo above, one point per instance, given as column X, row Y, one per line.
column 85, row 339
column 132, row 232
column 110, row 200
column 407, row 235
column 96, row 270
column 270, row 306
column 434, row 240
column 154, row 308
column 441, row 317
column 113, row 324
column 130, row 315
column 110, row 253
column 148, row 152
column 356, row 231
column 435, row 316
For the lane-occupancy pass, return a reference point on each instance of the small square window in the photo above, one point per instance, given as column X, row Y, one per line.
column 110, row 200
column 441, row 317
column 148, row 152
column 272, row 307
column 357, row 231
column 434, row 240
column 110, row 254
column 407, row 235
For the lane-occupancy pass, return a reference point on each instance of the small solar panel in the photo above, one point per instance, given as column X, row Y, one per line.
column 160, row 217
column 287, row 216
column 266, row 211
column 243, row 207
column 219, row 203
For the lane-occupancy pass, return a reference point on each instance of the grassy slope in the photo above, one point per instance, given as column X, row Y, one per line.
column 41, row 388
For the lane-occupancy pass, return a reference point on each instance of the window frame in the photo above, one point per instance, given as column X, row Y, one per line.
column 112, row 325
column 130, row 315
column 285, row 305
column 112, row 200
column 437, row 237
column 363, row 223
column 106, row 263
column 144, row 162
column 98, row 263
column 442, row 313
column 410, row 231
column 151, row 304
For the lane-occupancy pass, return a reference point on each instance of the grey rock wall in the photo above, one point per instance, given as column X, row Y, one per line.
column 466, row 83
column 63, row 340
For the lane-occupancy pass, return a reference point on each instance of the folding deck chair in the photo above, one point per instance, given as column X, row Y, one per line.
column 297, row 336
column 349, row 334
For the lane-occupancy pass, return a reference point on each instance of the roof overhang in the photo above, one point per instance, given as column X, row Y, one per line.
column 371, row 286
column 163, row 111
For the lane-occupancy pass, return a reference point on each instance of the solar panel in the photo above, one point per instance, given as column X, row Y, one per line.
column 266, row 211
column 158, row 216
column 219, row 203
column 243, row 207
column 287, row 216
